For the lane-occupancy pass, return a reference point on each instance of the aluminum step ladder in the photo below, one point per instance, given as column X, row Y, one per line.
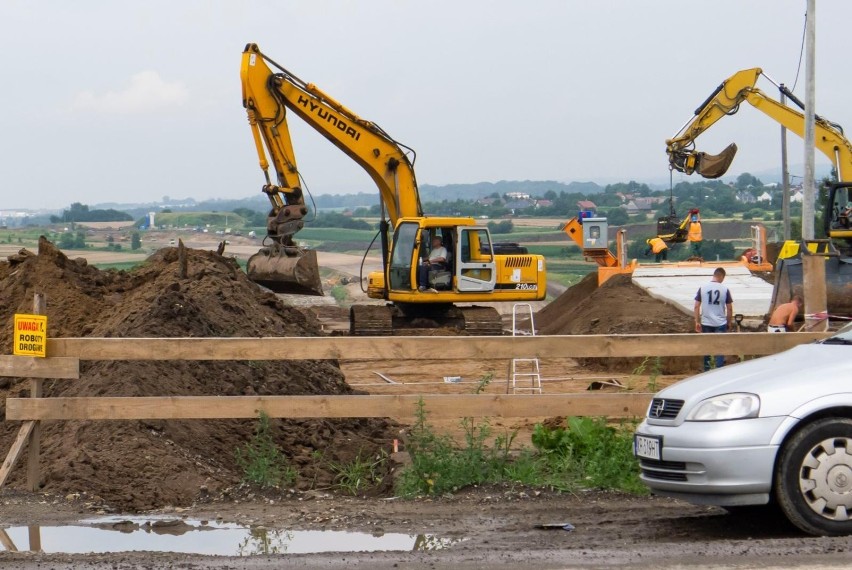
column 525, row 372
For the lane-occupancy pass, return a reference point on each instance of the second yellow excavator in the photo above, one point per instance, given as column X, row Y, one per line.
column 830, row 140
column 473, row 269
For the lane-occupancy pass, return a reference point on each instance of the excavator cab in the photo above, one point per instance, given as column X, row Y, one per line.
column 838, row 221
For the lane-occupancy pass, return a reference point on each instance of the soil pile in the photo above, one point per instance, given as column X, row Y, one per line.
column 137, row 465
column 616, row 307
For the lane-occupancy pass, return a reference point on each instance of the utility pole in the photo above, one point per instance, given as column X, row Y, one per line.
column 810, row 129
column 785, row 176
column 813, row 266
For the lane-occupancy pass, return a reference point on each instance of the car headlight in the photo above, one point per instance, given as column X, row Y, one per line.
column 726, row 407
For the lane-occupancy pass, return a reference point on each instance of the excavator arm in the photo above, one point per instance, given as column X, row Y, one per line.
column 267, row 97
column 726, row 100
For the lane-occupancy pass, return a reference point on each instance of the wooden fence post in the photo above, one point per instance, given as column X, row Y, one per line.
column 36, row 391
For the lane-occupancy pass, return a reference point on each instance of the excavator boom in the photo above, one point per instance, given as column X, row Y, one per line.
column 268, row 96
column 725, row 100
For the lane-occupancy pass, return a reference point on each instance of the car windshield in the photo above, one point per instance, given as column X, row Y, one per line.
column 843, row 336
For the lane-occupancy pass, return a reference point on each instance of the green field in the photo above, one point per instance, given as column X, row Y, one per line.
column 565, row 264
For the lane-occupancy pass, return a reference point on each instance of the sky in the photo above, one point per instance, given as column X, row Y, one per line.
column 131, row 102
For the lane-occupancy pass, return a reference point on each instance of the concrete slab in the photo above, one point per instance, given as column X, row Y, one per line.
column 677, row 284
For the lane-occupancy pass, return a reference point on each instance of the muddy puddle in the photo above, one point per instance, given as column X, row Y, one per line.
column 145, row 534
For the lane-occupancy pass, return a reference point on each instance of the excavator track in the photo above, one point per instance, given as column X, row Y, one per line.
column 482, row 321
column 371, row 320
column 387, row 320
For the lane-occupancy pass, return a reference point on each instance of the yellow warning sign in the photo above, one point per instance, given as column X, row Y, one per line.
column 30, row 335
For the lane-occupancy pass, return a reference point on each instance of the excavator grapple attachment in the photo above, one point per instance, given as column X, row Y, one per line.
column 715, row 165
column 286, row 270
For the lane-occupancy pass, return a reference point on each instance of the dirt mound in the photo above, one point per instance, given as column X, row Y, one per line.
column 616, row 307
column 146, row 464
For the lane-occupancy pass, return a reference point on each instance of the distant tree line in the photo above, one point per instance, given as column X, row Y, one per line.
column 81, row 213
column 337, row 220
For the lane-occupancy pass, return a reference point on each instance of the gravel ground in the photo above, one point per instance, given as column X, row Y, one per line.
column 479, row 528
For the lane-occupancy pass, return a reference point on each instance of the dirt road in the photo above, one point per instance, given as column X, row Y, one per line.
column 481, row 528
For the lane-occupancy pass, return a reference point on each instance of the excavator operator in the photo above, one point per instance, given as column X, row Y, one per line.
column 436, row 261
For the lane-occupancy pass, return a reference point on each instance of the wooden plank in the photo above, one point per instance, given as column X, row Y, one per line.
column 32, row 367
column 15, row 451
column 6, row 541
column 413, row 348
column 395, row 406
column 816, row 296
column 34, row 534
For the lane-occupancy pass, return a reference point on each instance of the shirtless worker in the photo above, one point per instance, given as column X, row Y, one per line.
column 784, row 316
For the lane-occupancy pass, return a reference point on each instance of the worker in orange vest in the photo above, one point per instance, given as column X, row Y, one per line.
column 658, row 247
column 694, row 235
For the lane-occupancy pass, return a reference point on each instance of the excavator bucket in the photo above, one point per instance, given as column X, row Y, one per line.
column 715, row 165
column 295, row 271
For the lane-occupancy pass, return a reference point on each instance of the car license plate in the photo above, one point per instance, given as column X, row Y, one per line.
column 648, row 447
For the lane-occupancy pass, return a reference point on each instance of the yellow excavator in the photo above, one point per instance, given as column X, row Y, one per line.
column 830, row 140
column 475, row 269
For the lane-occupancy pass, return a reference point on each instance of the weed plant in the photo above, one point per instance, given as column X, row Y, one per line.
column 338, row 292
column 654, row 374
column 262, row 461
column 360, row 474
column 586, row 454
column 439, row 466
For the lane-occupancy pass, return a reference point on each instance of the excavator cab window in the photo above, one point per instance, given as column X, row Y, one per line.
column 405, row 250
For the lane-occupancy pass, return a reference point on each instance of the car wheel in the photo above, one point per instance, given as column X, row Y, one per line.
column 813, row 482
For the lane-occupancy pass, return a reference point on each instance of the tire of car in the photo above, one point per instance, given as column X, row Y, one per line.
column 813, row 480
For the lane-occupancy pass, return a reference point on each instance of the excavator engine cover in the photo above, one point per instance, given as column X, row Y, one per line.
column 293, row 271
column 715, row 165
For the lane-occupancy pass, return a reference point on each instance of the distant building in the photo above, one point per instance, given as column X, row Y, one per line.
column 745, row 197
column 519, row 204
column 643, row 205
column 587, row 205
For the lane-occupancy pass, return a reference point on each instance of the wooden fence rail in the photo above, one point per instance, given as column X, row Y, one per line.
column 439, row 406
column 413, row 348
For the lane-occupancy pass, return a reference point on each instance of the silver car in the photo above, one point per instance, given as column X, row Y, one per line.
column 776, row 429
